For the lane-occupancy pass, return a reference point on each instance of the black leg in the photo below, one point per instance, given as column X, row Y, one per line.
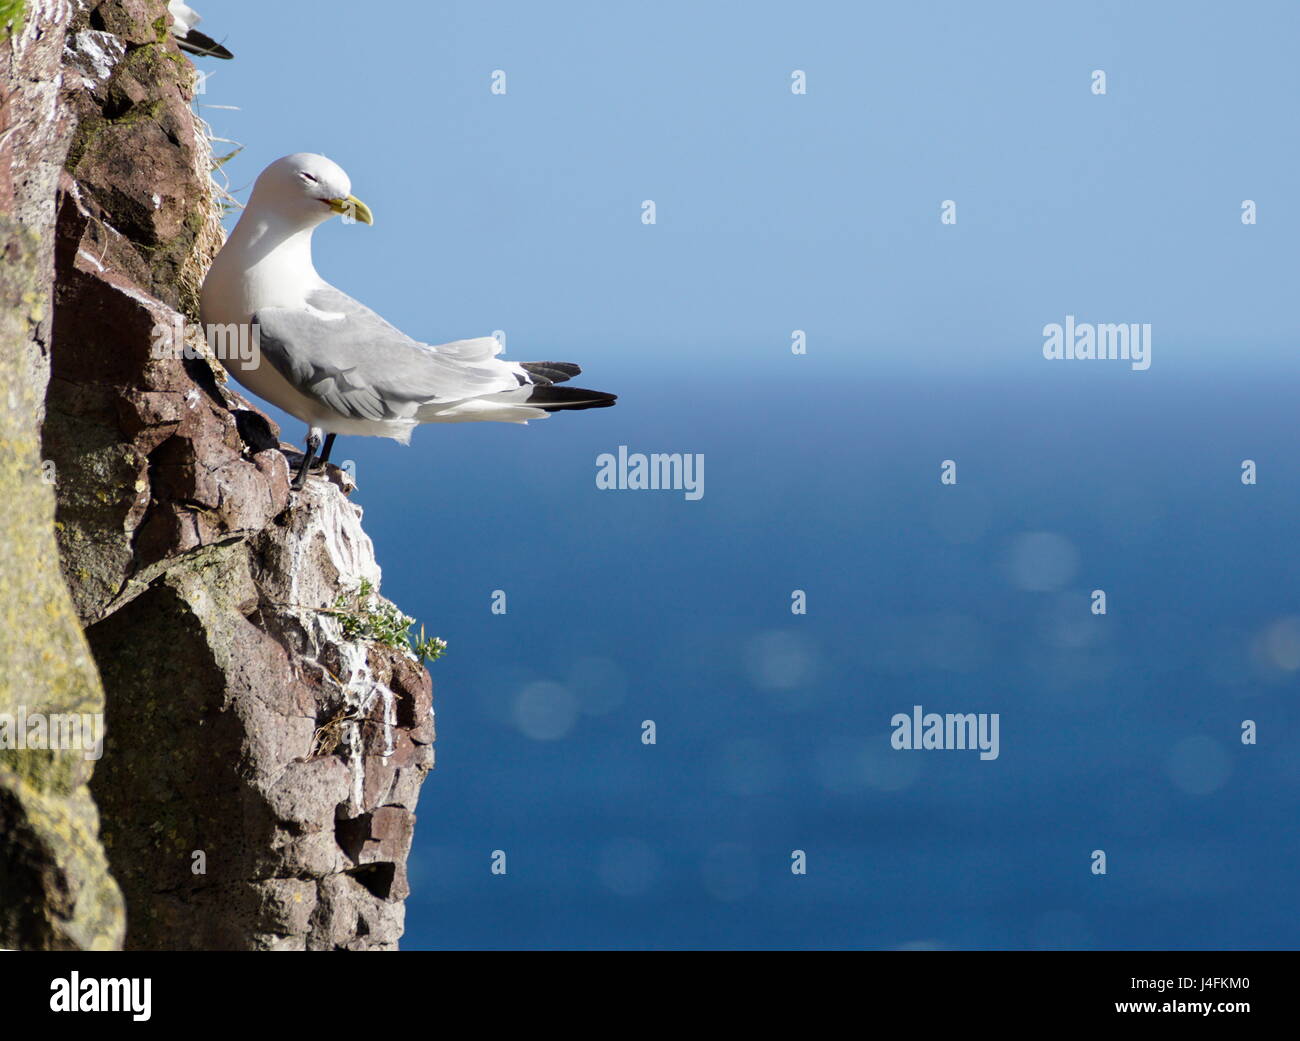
column 313, row 444
column 325, row 452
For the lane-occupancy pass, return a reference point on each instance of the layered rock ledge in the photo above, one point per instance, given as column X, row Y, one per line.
column 262, row 756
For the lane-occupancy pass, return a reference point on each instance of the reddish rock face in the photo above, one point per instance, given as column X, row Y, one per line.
column 260, row 770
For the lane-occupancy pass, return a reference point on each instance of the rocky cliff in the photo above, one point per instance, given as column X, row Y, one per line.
column 267, row 730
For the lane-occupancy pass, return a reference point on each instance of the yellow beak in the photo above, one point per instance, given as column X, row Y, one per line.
column 354, row 208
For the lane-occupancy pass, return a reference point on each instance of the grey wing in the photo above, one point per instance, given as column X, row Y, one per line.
column 345, row 355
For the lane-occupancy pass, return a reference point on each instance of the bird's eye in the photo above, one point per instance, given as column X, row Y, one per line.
column 307, row 177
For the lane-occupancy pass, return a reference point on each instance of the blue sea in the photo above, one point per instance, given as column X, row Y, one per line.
column 1119, row 732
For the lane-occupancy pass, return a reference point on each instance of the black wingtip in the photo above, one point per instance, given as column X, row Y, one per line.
column 569, row 399
column 550, row 371
column 195, row 42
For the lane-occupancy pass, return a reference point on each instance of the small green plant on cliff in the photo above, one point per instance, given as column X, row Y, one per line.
column 426, row 648
column 364, row 617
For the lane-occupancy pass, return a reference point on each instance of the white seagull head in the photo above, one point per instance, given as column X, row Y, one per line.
column 305, row 190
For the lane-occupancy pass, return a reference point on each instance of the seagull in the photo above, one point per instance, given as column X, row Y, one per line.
column 188, row 38
column 330, row 361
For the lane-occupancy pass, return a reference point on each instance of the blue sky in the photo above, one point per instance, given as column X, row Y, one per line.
column 521, row 212
column 820, row 212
